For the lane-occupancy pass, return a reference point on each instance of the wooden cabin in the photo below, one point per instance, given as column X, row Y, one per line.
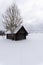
column 20, row 33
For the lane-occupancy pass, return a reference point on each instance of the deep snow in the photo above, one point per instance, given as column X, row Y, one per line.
column 24, row 52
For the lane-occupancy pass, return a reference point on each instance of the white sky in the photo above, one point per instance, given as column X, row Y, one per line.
column 31, row 10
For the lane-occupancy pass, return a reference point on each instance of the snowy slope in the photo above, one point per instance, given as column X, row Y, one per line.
column 24, row 52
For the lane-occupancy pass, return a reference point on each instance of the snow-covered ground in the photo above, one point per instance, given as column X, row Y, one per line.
column 24, row 52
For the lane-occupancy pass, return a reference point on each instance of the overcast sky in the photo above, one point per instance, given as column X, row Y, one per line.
column 31, row 10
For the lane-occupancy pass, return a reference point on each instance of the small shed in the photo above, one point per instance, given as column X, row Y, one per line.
column 20, row 33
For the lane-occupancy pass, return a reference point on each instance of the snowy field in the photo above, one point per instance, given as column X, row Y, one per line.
column 24, row 52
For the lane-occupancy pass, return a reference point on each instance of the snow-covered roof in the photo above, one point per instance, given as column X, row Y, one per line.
column 17, row 29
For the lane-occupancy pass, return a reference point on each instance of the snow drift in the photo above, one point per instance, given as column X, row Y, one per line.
column 24, row 52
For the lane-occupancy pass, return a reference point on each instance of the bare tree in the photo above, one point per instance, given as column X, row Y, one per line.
column 12, row 18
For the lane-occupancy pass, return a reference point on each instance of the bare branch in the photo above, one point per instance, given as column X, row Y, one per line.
column 12, row 18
